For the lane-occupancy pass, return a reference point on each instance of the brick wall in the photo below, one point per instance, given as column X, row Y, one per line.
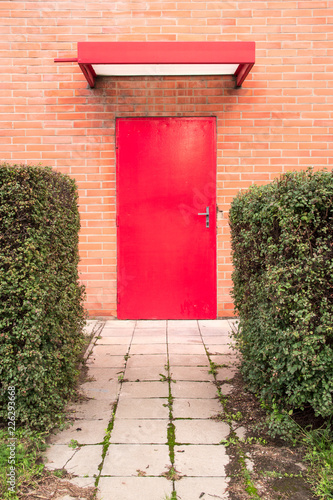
column 280, row 120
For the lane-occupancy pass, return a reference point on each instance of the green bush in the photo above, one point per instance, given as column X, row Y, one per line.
column 41, row 301
column 282, row 241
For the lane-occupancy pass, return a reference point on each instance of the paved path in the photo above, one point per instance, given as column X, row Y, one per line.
column 148, row 421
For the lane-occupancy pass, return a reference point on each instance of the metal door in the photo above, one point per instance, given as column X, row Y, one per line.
column 166, row 218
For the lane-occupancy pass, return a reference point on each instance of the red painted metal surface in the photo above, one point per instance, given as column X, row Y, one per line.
column 242, row 72
column 89, row 53
column 89, row 74
column 166, row 175
column 166, row 52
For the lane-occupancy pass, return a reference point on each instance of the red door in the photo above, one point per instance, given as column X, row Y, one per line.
column 166, row 184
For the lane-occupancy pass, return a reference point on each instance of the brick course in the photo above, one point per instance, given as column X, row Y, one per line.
column 280, row 120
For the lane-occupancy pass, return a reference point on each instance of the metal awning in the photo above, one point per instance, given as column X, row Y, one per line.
column 164, row 58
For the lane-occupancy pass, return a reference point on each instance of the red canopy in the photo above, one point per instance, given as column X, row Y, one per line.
column 164, row 58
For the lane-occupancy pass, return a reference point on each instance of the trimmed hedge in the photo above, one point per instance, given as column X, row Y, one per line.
column 41, row 301
column 282, row 241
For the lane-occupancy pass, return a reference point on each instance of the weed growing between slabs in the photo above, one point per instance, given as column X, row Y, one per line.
column 172, row 474
column 106, row 441
column 173, row 496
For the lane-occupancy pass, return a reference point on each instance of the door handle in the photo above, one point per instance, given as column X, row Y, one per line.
column 207, row 216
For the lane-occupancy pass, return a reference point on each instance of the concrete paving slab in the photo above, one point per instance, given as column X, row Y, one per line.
column 144, row 373
column 240, row 432
column 130, row 459
column 182, row 324
column 203, row 488
column 134, row 488
column 136, row 431
column 90, row 326
column 226, row 389
column 91, row 410
column 86, row 461
column 117, row 349
column 216, row 349
column 225, row 374
column 140, row 360
column 196, row 408
column 150, row 332
column 201, row 460
column 179, row 327
column 181, row 339
column 144, row 390
column 223, row 329
column 215, row 332
column 98, row 392
column 249, row 464
column 186, row 349
column 201, row 431
column 146, row 339
column 193, row 373
column 104, row 384
column 216, row 339
column 104, row 350
column 106, row 360
column 188, row 360
column 117, row 332
column 184, row 332
column 57, row 456
column 83, row 482
column 142, row 408
column 214, row 323
column 155, row 323
column 96, row 374
column 120, row 340
column 194, row 390
column 228, row 359
column 82, row 431
column 148, row 349
column 116, row 323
